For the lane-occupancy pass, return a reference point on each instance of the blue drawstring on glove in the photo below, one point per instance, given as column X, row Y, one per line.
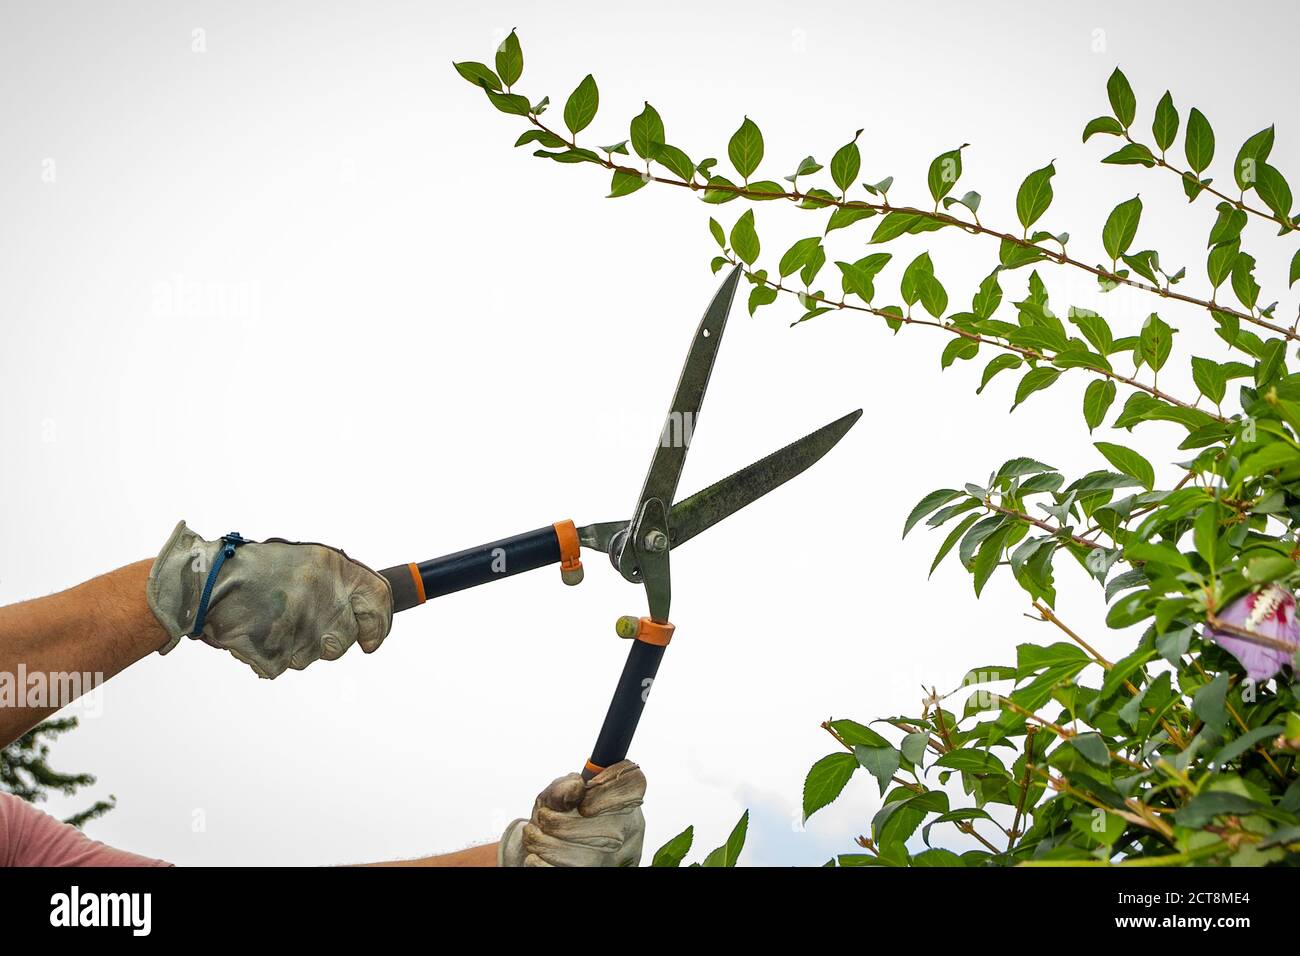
column 229, row 542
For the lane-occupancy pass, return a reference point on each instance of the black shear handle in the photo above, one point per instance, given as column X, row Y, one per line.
column 630, row 697
column 413, row 584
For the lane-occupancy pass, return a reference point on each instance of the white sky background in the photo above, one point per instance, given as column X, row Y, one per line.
column 365, row 242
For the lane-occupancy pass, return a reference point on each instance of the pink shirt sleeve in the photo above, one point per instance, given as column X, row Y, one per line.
column 31, row 837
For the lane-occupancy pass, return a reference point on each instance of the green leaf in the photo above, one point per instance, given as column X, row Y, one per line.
column 858, row 276
column 847, row 216
column 986, row 559
column 1245, row 742
column 479, row 74
column 816, row 259
column 1035, row 195
column 971, row 200
column 1272, row 187
column 510, row 60
column 720, row 189
column 971, row 761
column 1032, row 658
column 729, row 852
column 625, row 183
column 1204, row 807
column 1129, row 462
column 675, row 160
column 846, row 163
column 1121, row 227
column 1199, row 141
column 807, row 166
column 894, row 225
column 746, row 148
column 958, row 348
column 1295, row 269
column 764, row 191
column 761, row 295
column 1253, row 152
column 1244, row 286
column 674, row 851
column 1271, row 457
column 1000, row 363
column 953, row 537
column 1210, row 377
column 914, row 746
column 1271, row 362
column 881, row 762
column 1102, row 124
column 928, row 504
column 1155, row 342
column 1219, row 263
column 797, row 255
column 744, row 238
column 1094, row 329
column 511, row 103
column 580, row 109
column 1270, row 568
column 1097, row 399
column 934, row 297
column 1210, row 703
column 1034, row 380
column 1092, row 748
column 1021, row 466
column 910, row 284
column 569, row 156
column 647, row 132
column 1122, row 101
column 1013, row 255
column 855, row 734
column 1131, row 154
column 543, row 136
column 1227, row 227
column 881, row 188
column 988, row 298
column 1192, row 186
column 1165, row 126
column 719, row 236
column 826, row 780
column 944, row 172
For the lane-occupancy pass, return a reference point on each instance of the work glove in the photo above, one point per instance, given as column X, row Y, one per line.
column 577, row 823
column 273, row 605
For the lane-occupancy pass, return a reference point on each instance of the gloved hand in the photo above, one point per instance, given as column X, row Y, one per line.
column 274, row 605
column 576, row 823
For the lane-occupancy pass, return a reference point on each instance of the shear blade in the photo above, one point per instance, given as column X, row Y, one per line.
column 706, row 508
column 683, row 414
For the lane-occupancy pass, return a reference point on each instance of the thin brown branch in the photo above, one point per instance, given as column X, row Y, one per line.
column 1024, row 352
column 1184, row 173
column 1060, row 258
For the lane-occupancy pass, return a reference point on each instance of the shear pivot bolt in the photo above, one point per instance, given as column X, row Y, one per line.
column 656, row 541
column 627, row 627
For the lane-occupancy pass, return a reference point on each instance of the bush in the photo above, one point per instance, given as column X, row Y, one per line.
column 1183, row 751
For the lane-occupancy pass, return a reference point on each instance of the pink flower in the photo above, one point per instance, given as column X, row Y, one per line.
column 1268, row 613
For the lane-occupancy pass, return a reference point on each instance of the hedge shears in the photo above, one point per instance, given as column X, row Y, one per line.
column 639, row 548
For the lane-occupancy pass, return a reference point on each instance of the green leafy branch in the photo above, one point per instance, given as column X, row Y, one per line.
column 1250, row 169
column 746, row 151
column 1174, row 754
column 967, row 342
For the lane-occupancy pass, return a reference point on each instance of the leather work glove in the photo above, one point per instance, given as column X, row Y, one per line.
column 273, row 605
column 576, row 823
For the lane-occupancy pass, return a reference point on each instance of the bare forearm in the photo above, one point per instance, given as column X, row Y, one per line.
column 475, row 856
column 97, row 628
